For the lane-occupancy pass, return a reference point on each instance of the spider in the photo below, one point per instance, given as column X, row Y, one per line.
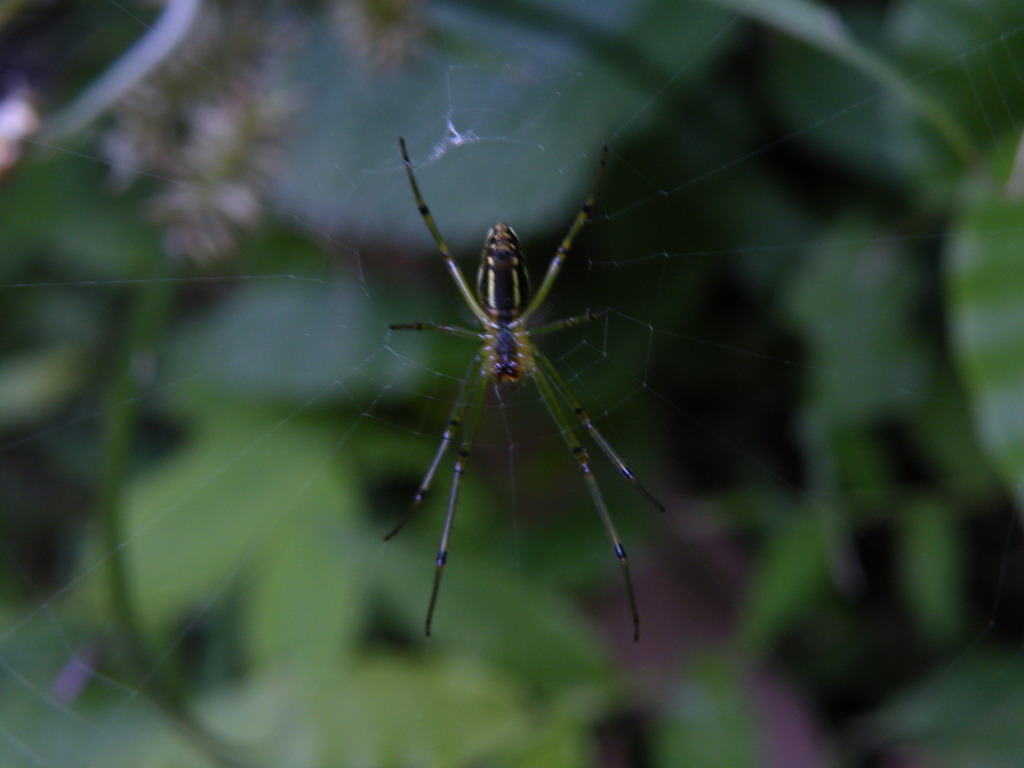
column 503, row 306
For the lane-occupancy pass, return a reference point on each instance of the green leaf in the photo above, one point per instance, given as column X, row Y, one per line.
column 965, row 714
column 392, row 710
column 930, row 559
column 854, row 300
column 789, row 578
column 971, row 68
column 985, row 273
column 504, row 156
column 284, row 339
column 197, row 522
column 812, row 92
column 709, row 722
column 823, row 28
column 490, row 606
column 305, row 591
column 34, row 384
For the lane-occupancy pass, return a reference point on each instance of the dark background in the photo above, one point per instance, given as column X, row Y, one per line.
column 808, row 240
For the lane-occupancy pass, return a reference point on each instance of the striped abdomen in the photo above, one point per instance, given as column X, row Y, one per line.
column 502, row 283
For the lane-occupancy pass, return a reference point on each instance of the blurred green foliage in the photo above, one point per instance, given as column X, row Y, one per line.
column 809, row 240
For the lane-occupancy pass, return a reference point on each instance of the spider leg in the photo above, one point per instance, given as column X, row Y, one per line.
column 568, row 322
column 447, row 438
column 585, row 420
column 454, row 330
column 578, row 451
column 563, row 249
column 475, row 401
column 453, row 267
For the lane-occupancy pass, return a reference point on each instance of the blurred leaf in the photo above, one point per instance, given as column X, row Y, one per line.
column 789, row 578
column 853, row 301
column 138, row 736
column 492, row 608
column 930, row 559
column 43, row 677
column 823, row 27
column 302, row 605
column 816, row 90
column 562, row 734
column 949, row 438
column 984, row 272
column 88, row 235
column 196, row 523
column 480, row 165
column 393, row 711
column 965, row 714
column 34, row 384
column 286, row 339
column 708, row 723
column 972, row 67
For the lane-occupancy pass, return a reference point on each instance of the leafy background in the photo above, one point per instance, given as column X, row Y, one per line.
column 809, row 241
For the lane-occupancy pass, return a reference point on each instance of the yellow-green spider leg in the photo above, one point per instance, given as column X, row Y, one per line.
column 453, row 267
column 451, row 428
column 563, row 249
column 475, row 401
column 581, row 413
column 583, row 458
column 568, row 322
column 453, row 330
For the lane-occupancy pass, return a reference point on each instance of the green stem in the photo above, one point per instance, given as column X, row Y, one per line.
column 146, row 318
column 146, row 321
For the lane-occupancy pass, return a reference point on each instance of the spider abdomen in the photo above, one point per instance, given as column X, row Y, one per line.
column 502, row 283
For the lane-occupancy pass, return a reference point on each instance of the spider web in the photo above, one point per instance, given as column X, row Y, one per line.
column 775, row 366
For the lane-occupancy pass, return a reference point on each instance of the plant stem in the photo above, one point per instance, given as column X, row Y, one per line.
column 147, row 318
